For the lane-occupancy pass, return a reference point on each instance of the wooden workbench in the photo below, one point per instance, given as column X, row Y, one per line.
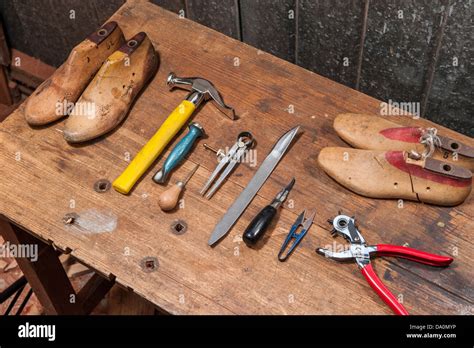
column 44, row 179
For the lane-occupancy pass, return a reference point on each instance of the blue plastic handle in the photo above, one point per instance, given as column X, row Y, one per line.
column 179, row 152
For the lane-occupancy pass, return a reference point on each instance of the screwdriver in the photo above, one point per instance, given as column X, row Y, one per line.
column 169, row 198
column 259, row 225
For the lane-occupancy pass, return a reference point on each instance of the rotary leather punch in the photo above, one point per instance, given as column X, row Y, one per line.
column 361, row 252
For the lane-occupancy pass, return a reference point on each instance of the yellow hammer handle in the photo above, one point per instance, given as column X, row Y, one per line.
column 152, row 149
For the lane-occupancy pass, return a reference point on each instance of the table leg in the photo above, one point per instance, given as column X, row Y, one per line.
column 48, row 278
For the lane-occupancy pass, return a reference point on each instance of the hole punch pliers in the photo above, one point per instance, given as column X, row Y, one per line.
column 361, row 252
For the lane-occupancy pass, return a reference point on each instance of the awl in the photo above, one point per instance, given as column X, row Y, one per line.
column 260, row 223
column 263, row 172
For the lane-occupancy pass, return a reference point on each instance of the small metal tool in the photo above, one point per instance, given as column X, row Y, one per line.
column 259, row 224
column 169, row 198
column 230, row 217
column 244, row 142
column 305, row 224
column 179, row 152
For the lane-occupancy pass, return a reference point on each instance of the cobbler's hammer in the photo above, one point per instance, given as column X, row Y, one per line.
column 200, row 90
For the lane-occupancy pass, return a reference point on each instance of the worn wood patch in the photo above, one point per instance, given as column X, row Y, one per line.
column 45, row 179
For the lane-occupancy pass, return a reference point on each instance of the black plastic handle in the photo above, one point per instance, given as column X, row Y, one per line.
column 259, row 225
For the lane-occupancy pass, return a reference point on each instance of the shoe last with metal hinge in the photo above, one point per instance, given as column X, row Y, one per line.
column 107, row 99
column 372, row 132
column 395, row 175
column 56, row 96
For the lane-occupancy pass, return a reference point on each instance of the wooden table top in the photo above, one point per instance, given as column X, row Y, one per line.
column 44, row 178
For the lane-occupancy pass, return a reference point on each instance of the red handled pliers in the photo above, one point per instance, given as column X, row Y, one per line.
column 361, row 252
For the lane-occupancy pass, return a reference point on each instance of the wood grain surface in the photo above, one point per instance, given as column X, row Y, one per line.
column 43, row 179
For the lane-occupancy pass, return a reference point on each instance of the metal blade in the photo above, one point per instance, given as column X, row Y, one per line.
column 263, row 172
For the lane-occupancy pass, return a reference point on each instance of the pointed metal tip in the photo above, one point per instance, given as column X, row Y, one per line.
column 321, row 251
column 290, row 185
column 159, row 177
column 295, row 129
column 212, row 241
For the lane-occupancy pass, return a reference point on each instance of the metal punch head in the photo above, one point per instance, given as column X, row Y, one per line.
column 200, row 90
column 305, row 224
column 344, row 226
column 244, row 142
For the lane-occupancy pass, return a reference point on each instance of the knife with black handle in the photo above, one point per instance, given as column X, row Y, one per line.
column 259, row 225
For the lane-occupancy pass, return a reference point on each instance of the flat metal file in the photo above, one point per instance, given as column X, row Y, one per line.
column 230, row 217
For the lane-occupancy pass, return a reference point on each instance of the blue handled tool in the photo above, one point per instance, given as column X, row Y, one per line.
column 305, row 223
column 179, row 152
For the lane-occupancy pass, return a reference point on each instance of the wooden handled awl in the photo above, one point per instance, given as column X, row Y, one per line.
column 169, row 198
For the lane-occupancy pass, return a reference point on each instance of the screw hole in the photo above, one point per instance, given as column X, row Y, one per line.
column 102, row 186
column 428, row 188
column 447, row 168
column 454, row 146
column 149, row 264
column 395, row 184
column 178, row 227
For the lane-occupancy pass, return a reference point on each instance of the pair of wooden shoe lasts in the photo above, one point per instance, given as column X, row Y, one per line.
column 392, row 161
column 96, row 85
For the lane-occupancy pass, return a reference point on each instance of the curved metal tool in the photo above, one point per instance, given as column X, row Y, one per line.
column 244, row 142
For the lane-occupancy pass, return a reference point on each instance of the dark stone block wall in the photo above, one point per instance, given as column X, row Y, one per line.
column 400, row 50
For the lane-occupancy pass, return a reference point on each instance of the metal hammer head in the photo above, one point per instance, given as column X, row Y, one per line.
column 200, row 89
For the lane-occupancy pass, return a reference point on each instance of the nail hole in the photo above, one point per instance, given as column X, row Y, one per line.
column 133, row 74
column 178, row 227
column 149, row 264
column 132, row 43
column 395, row 184
column 454, row 146
column 102, row 185
column 447, row 168
column 102, row 32
column 428, row 188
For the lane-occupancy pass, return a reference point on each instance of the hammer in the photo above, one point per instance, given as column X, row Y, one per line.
column 200, row 90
